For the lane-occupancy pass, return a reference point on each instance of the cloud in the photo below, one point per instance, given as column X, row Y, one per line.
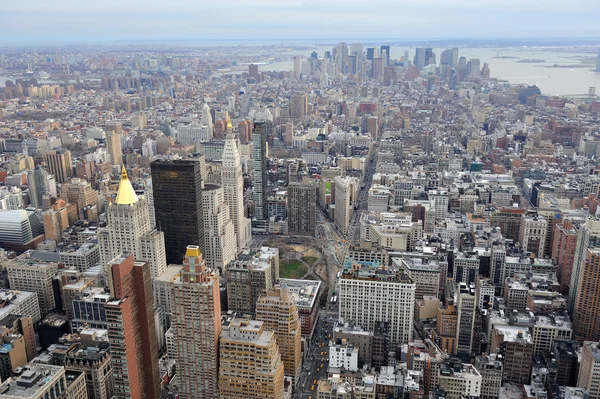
column 74, row 20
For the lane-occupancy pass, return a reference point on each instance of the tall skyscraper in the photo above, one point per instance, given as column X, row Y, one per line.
column 114, row 147
column 41, row 184
column 589, row 371
column 253, row 71
column 298, row 106
column 259, row 162
column 233, row 186
column 196, row 325
column 588, row 237
column 177, row 191
column 370, row 53
column 586, row 312
column 250, row 365
column 419, row 60
column 342, row 56
column 128, row 230
column 277, row 309
column 219, row 233
column 60, row 164
column 385, row 54
column 131, row 330
column 302, row 200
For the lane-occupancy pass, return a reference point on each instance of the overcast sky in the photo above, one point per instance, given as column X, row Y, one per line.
column 98, row 20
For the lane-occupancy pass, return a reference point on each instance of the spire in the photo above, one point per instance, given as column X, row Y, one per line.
column 126, row 194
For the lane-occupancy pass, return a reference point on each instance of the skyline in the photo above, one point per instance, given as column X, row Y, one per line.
column 154, row 20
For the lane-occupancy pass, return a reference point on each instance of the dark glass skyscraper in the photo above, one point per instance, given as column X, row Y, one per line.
column 177, row 191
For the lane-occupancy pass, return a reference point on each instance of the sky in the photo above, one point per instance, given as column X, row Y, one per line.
column 109, row 20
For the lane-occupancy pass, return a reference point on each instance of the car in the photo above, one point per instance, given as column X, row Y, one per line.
column 312, row 388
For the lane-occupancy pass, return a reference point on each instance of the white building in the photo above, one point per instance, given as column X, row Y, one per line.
column 26, row 275
column 460, row 380
column 232, row 181
column 20, row 303
column 219, row 233
column 532, row 235
column 343, row 356
column 346, row 192
column 369, row 293
column 128, row 231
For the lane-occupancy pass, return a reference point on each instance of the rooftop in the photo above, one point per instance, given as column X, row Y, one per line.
column 304, row 291
column 31, row 381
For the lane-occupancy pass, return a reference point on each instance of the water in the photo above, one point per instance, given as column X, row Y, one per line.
column 552, row 81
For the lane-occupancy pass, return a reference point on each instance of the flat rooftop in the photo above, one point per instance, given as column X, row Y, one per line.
column 304, row 291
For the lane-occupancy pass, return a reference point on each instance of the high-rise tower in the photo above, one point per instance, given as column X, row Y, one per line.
column 233, row 187
column 128, row 230
column 302, row 203
column 177, row 193
column 259, row 162
column 277, row 309
column 196, row 325
column 131, row 330
column 219, row 233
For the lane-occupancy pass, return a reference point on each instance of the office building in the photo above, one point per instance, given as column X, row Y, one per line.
column 301, row 209
column 177, row 192
column 232, row 181
column 515, row 344
column 586, row 314
column 250, row 365
column 460, row 380
column 385, row 54
column 20, row 230
column 490, row 368
column 60, row 164
column 131, row 330
column 305, row 293
column 219, row 233
column 80, row 193
column 42, row 186
column 247, row 278
column 253, row 71
column 532, row 235
column 466, row 318
column 55, row 222
column 259, row 162
column 196, row 324
column 32, row 276
column 588, row 237
column 589, row 370
column 87, row 308
column 346, row 192
column 114, row 147
column 598, row 62
column 564, row 244
column 12, row 323
column 369, row 293
column 298, row 106
column 95, row 363
column 128, row 230
column 42, row 381
column 277, row 309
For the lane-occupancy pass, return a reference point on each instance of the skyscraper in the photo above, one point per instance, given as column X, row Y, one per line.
column 131, row 330
column 219, row 233
column 250, row 365
column 419, row 60
column 298, row 106
column 41, row 184
column 598, row 62
column 302, row 200
column 59, row 163
column 259, row 162
column 586, row 313
column 277, row 309
column 233, row 186
column 177, row 191
column 385, row 54
column 196, row 325
column 253, row 71
column 128, row 230
column 114, row 147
